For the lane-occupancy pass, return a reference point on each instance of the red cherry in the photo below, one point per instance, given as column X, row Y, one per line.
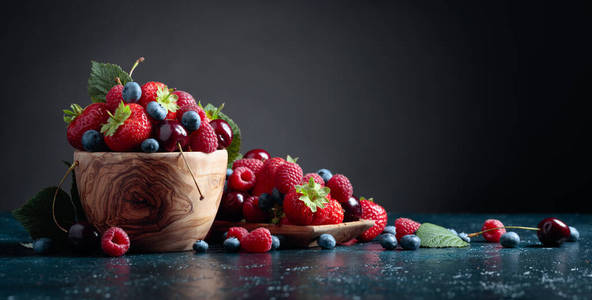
column 223, row 132
column 231, row 206
column 169, row 133
column 353, row 209
column 257, row 154
column 552, row 232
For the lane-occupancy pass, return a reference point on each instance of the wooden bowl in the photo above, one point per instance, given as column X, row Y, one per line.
column 152, row 196
column 302, row 236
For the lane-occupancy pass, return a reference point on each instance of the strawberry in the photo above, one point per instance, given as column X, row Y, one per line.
column 184, row 98
column 266, row 179
column 303, row 201
column 237, row 232
column 405, row 227
column 114, row 97
column 332, row 213
column 257, row 241
column 159, row 92
column 126, row 128
column 253, row 213
column 204, row 139
column 287, row 176
column 254, row 164
column 149, row 91
column 80, row 120
column 341, row 188
column 194, row 107
column 316, row 177
column 372, row 211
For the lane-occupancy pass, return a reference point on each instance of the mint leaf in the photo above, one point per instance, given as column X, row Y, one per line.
column 102, row 79
column 434, row 236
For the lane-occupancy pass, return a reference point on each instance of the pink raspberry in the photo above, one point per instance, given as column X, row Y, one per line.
column 242, row 179
column 237, row 232
column 316, row 177
column 115, row 242
column 341, row 188
column 257, row 241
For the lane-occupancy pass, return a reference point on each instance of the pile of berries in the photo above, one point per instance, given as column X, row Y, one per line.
column 265, row 189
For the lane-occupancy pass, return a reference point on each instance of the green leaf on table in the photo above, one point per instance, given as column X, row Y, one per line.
column 434, row 236
column 102, row 79
column 214, row 113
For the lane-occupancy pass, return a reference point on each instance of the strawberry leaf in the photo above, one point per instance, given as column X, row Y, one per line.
column 102, row 79
column 313, row 194
column 434, row 236
column 291, row 159
column 71, row 114
column 166, row 99
column 122, row 113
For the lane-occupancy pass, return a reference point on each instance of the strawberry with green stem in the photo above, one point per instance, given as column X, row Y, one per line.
column 80, row 120
column 126, row 128
column 302, row 202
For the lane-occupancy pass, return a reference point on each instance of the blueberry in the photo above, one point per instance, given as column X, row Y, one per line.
column 150, row 145
column 229, row 172
column 275, row 242
column 200, row 246
column 325, row 174
column 93, row 141
column 465, row 237
column 390, row 229
column 574, row 235
column 388, row 241
column 510, row 240
column 410, row 242
column 453, row 231
column 327, row 241
column 265, row 201
column 131, row 92
column 231, row 244
column 277, row 196
column 156, row 111
column 225, row 234
column 191, row 120
column 43, row 245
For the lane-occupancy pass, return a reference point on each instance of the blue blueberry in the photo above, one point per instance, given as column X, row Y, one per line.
column 156, row 111
column 327, row 241
column 277, row 196
column 191, row 120
column 388, row 241
column 390, row 229
column 43, row 245
column 453, row 231
column 510, row 240
column 266, row 202
column 410, row 242
column 275, row 242
column 132, row 92
column 465, row 237
column 200, row 246
column 231, row 244
column 574, row 234
column 229, row 172
column 149, row 145
column 93, row 141
column 325, row 174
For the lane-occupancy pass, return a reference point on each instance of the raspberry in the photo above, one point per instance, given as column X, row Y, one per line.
column 237, row 232
column 255, row 165
column 257, row 241
column 494, row 235
column 253, row 213
column 184, row 98
column 115, row 242
column 318, row 179
column 266, row 179
column 341, row 188
column 242, row 179
column 404, row 226
column 287, row 176
column 204, row 139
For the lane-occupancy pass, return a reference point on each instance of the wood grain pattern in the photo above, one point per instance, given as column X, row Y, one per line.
column 152, row 195
column 302, row 236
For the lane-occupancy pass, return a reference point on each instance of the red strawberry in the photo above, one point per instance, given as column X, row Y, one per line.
column 80, row 120
column 318, row 179
column 127, row 128
column 372, row 211
column 149, row 91
column 204, row 139
column 253, row 213
column 331, row 214
column 287, row 176
column 257, row 241
column 159, row 92
column 493, row 236
column 341, row 188
column 404, row 227
column 254, row 164
column 303, row 201
column 266, row 179
column 114, row 97
column 242, row 179
column 194, row 107
column 184, row 98
column 237, row 232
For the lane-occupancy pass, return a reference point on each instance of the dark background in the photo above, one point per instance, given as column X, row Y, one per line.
column 428, row 106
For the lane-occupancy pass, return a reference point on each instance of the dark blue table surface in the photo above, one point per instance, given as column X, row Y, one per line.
column 483, row 271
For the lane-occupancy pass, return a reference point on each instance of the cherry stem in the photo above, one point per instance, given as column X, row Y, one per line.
column 138, row 61
column 55, row 195
column 201, row 197
column 511, row 227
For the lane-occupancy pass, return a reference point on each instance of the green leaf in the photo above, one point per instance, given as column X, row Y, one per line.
column 102, row 79
column 291, row 159
column 234, row 148
column 313, row 194
column 434, row 236
column 166, row 99
column 36, row 217
column 122, row 113
column 71, row 114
